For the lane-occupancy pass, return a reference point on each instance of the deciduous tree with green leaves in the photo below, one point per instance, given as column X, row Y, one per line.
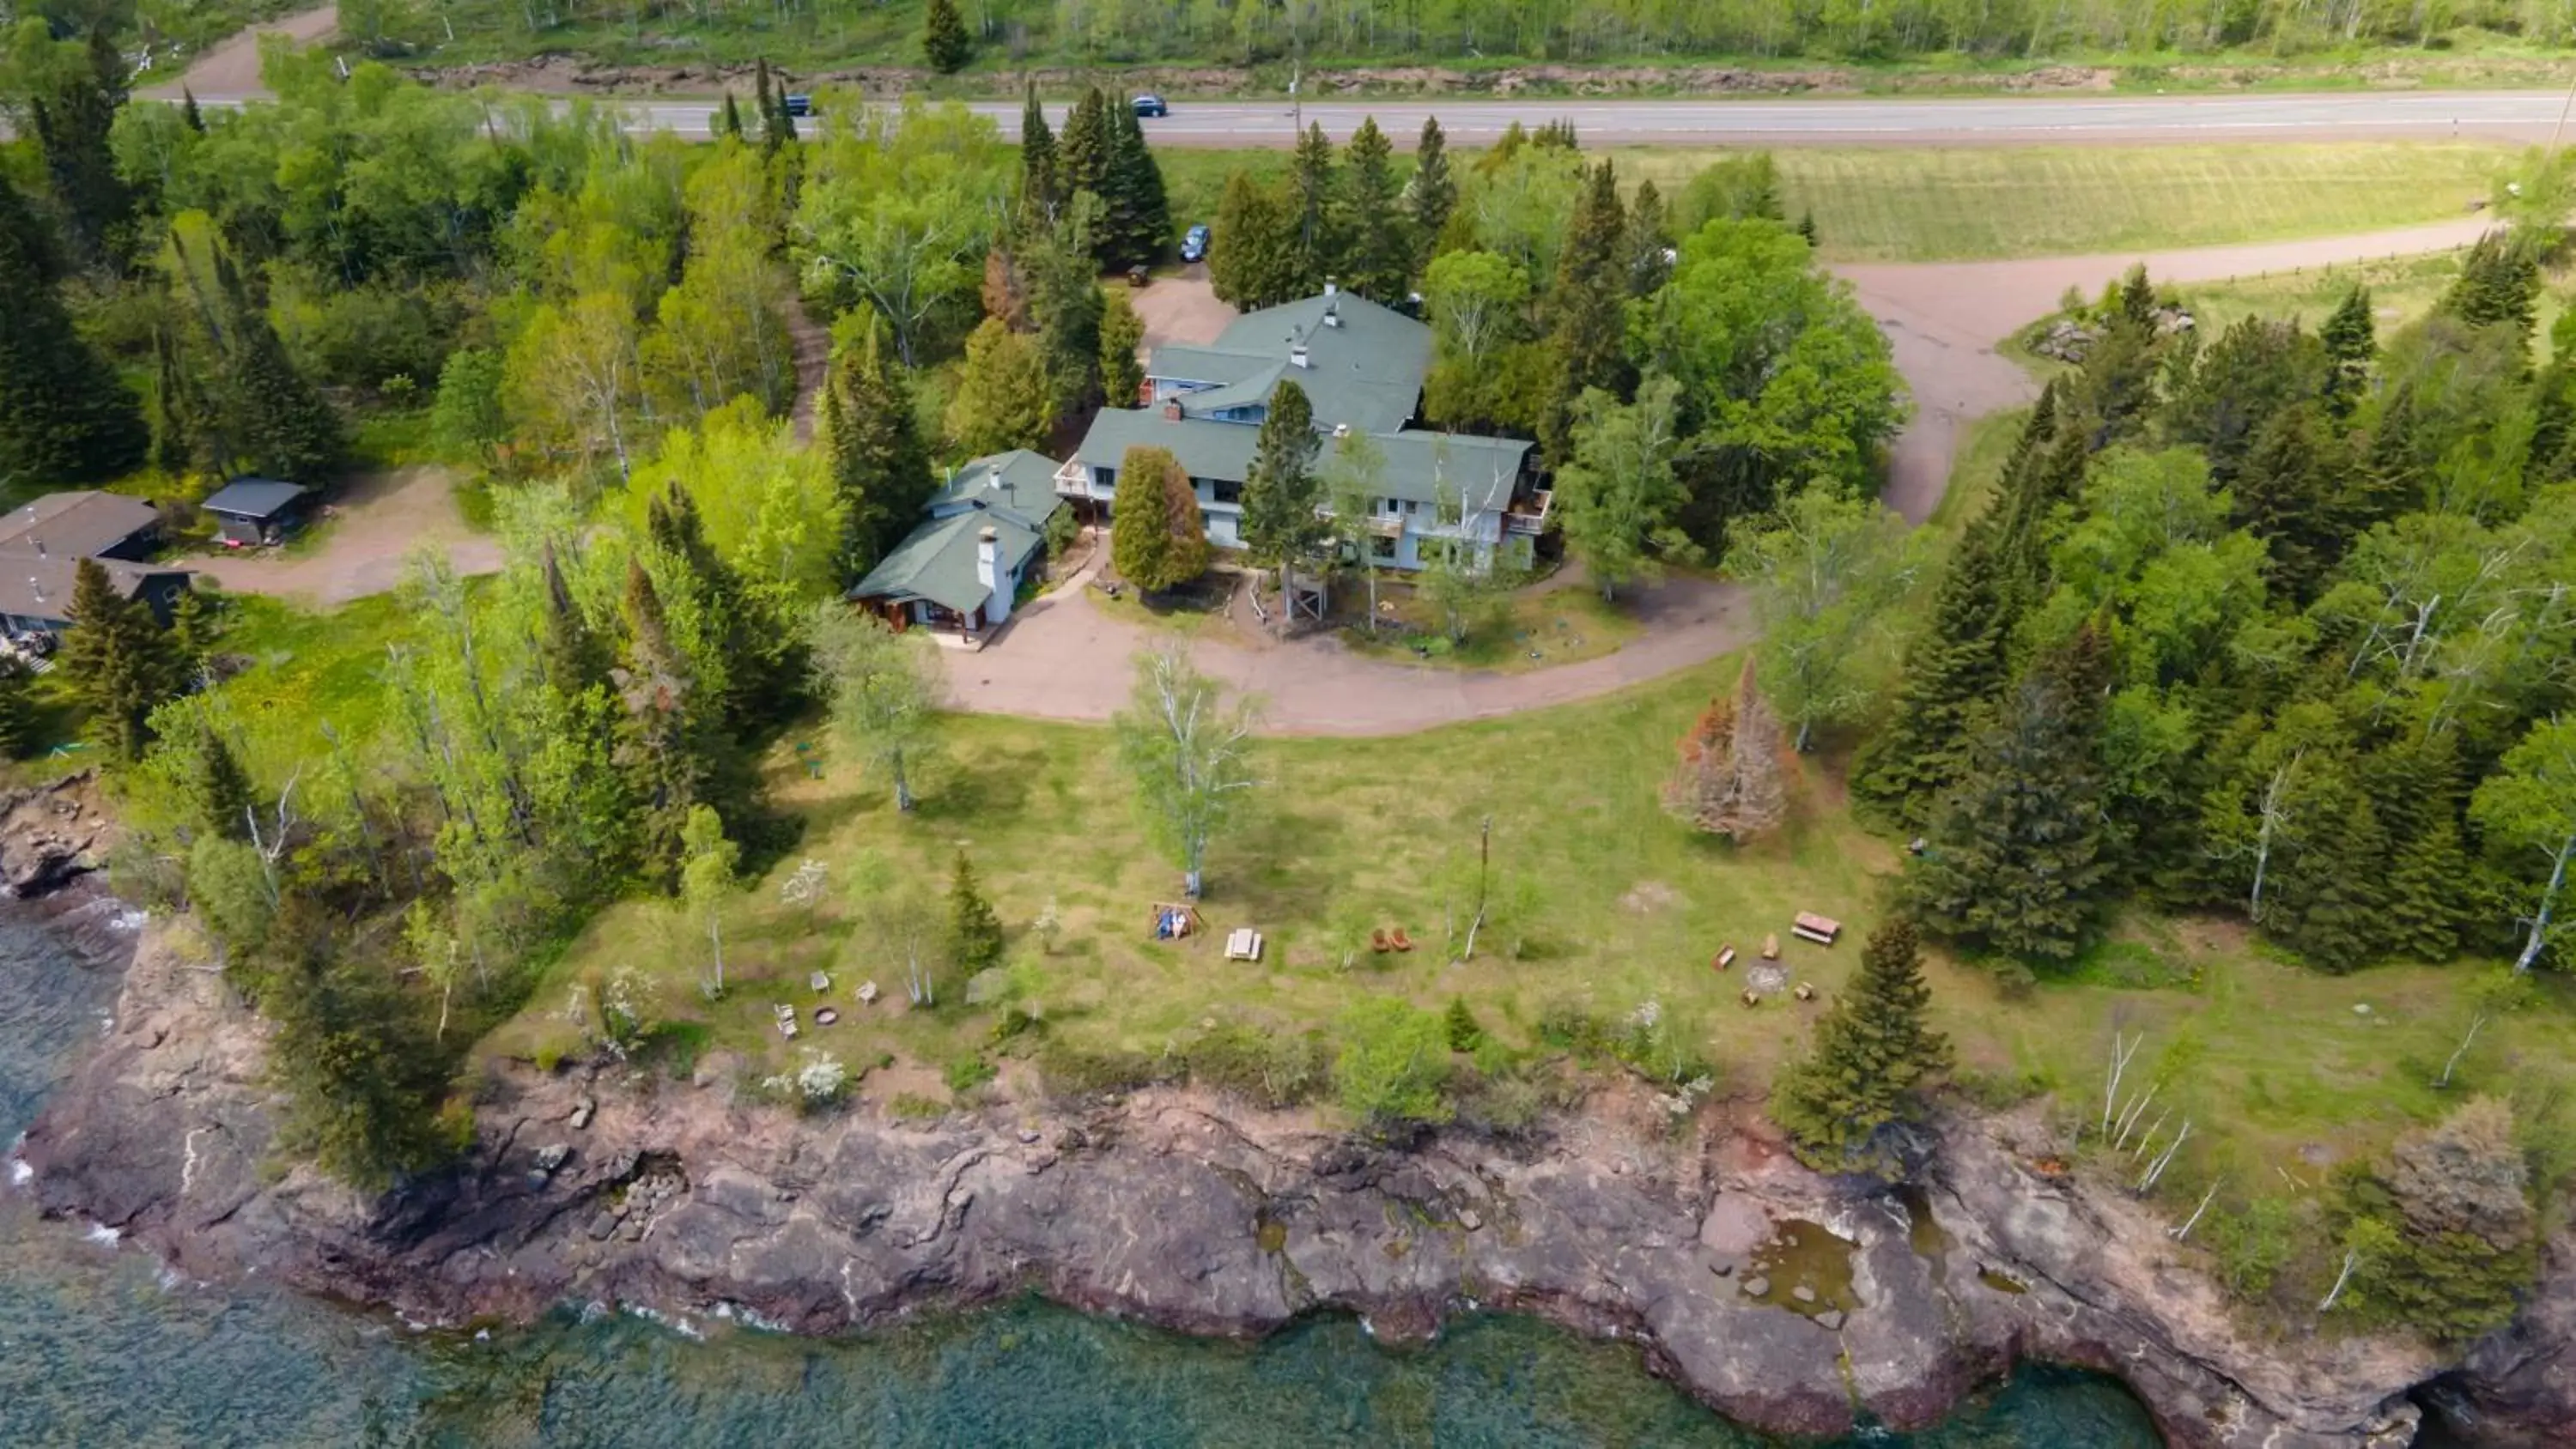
column 1824, row 570
column 1393, row 1065
column 2529, row 807
column 707, row 882
column 1190, row 753
column 883, row 690
column 1617, row 500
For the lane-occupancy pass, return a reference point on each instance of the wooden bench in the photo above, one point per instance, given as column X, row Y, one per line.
column 1820, row 929
column 1725, row 958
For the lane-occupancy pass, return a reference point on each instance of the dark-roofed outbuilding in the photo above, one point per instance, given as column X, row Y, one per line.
column 258, row 510
column 36, row 590
column 83, row 523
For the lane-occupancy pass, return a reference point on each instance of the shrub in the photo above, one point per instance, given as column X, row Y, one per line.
column 1394, row 1063
column 966, row 1073
column 1067, row 1070
column 1267, row 1068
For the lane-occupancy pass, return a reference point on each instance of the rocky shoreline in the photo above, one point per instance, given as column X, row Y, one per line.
column 1786, row 1301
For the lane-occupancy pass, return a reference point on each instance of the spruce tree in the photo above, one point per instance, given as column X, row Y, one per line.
column 71, row 119
column 1955, row 667
column 272, row 420
column 116, row 661
column 1122, row 334
column 571, row 655
column 2352, row 343
column 1252, row 260
column 1727, row 781
column 974, row 932
column 2014, row 862
column 729, row 121
column 944, row 41
column 214, row 790
column 189, row 115
column 2416, row 792
column 1041, row 173
column 1649, row 247
column 2391, row 480
column 1281, row 491
column 1318, row 245
column 1084, row 151
column 658, row 747
column 1138, row 222
column 65, row 417
column 1862, row 1075
column 2329, row 902
column 1377, row 258
column 1434, row 191
column 17, row 710
column 1586, row 310
column 2281, row 498
column 878, row 462
column 2499, row 282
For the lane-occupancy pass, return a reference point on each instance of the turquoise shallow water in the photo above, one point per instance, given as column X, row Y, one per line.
column 96, row 1348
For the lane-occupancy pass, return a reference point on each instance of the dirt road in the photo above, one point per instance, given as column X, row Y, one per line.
column 374, row 528
column 230, row 71
column 1945, row 320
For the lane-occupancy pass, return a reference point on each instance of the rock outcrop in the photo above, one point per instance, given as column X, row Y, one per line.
column 1782, row 1299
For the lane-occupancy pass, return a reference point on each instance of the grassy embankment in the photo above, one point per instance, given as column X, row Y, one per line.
column 818, row 41
column 1910, row 204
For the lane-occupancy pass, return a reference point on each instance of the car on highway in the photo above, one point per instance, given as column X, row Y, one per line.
column 1194, row 243
column 1150, row 105
column 800, row 105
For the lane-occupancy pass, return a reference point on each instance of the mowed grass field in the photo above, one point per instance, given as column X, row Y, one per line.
column 1912, row 204
column 1618, row 906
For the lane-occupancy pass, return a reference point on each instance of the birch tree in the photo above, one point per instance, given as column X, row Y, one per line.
column 707, row 880
column 883, row 690
column 1823, row 570
column 2529, row 806
column 1191, row 754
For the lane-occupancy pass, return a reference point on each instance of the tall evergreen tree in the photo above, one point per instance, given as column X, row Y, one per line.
column 116, row 661
column 65, row 417
column 193, row 118
column 879, row 464
column 1957, row 665
column 974, row 932
column 2415, row 789
column 2282, row 497
column 2391, row 480
column 1252, row 260
column 2014, row 863
column 658, row 746
column 1083, row 153
column 572, row 656
column 1862, row 1075
column 729, row 120
column 214, row 790
column 2352, row 344
column 71, row 119
column 1041, row 171
column 1318, row 245
column 1377, row 260
column 1137, row 224
column 17, row 710
column 1586, row 310
column 1433, row 191
column 275, row 421
column 1122, row 333
column 2329, row 898
column 2499, row 281
column 1649, row 247
column 944, row 41
column 1281, row 491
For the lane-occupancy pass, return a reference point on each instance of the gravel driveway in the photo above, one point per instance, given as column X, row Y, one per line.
column 377, row 523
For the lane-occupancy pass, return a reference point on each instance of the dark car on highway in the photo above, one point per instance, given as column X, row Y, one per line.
column 1150, row 105
column 1194, row 245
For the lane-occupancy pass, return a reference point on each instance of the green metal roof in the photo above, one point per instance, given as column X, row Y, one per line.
column 937, row 560
column 1206, row 449
column 1020, row 480
column 1364, row 370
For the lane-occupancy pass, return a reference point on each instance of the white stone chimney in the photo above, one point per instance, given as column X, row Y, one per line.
column 988, row 572
column 1298, row 356
column 1332, row 288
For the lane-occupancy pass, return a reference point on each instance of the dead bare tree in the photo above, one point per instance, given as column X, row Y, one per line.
column 2351, row 1260
column 2147, row 1183
column 2184, row 1231
column 2461, row 1050
column 2122, row 1052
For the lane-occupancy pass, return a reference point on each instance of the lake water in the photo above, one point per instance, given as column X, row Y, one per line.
column 98, row 1348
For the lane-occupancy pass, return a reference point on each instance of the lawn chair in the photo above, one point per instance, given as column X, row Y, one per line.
column 1402, row 941
column 1725, row 958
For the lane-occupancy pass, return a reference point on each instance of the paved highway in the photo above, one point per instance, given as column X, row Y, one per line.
column 2476, row 115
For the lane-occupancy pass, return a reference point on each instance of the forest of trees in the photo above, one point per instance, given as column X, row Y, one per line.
column 2270, row 622
column 914, row 32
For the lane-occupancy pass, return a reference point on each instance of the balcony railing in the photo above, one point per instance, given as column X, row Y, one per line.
column 1528, row 513
column 1073, row 479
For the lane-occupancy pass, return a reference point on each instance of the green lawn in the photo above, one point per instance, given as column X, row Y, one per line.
column 1353, row 836
column 1953, row 203
column 1911, row 203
